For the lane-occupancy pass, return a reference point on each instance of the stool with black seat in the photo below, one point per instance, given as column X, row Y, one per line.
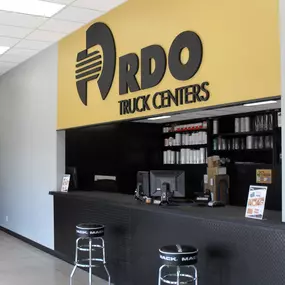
column 89, row 239
column 181, row 258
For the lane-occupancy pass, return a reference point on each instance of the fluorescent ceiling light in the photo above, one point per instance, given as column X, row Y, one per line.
column 260, row 103
column 3, row 49
column 159, row 118
column 31, row 7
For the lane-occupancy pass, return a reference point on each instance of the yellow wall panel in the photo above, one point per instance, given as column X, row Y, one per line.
column 241, row 54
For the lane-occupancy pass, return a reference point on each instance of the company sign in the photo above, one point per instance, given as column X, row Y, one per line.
column 152, row 63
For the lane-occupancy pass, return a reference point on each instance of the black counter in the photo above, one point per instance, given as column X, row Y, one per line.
column 232, row 250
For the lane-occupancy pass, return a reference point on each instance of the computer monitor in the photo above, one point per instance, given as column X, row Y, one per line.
column 174, row 178
column 143, row 182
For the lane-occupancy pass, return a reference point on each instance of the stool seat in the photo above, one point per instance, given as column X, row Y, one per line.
column 178, row 255
column 90, row 240
column 90, row 230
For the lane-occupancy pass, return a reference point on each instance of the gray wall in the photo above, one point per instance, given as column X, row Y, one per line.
column 31, row 151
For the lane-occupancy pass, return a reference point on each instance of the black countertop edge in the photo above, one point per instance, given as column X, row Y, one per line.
column 228, row 214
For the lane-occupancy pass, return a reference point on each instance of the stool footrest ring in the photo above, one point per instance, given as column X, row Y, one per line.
column 86, row 247
column 190, row 278
column 85, row 262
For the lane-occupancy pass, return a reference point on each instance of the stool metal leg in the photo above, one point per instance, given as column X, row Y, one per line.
column 159, row 274
column 178, row 275
column 90, row 261
column 104, row 261
column 195, row 274
column 76, row 261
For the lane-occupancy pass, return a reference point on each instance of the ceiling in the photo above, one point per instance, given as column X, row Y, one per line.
column 190, row 115
column 27, row 35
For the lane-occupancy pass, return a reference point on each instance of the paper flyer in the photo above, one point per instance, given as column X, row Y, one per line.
column 65, row 183
column 256, row 202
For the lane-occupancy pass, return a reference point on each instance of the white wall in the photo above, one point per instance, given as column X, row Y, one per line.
column 282, row 38
column 29, row 165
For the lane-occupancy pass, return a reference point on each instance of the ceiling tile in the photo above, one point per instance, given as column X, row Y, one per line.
column 8, row 42
column 21, row 20
column 101, row 5
column 66, row 2
column 78, row 15
column 29, row 44
column 60, row 26
column 45, row 36
column 14, row 32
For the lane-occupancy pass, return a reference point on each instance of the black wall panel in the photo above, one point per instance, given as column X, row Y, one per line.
column 118, row 149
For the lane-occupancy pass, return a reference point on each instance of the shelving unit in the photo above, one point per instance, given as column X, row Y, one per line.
column 190, row 147
column 226, row 131
column 256, row 145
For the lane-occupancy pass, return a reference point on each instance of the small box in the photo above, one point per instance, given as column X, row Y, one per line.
column 219, row 186
column 213, row 171
column 213, row 161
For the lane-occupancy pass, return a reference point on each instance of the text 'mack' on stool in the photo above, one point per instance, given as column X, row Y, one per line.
column 178, row 265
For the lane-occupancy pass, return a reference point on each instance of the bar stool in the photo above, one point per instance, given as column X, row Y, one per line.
column 90, row 238
column 182, row 258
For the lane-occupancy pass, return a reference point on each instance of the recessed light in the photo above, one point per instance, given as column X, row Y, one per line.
column 3, row 49
column 260, row 103
column 31, row 7
column 158, row 118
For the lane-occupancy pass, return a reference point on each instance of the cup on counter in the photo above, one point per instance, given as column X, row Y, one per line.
column 148, row 200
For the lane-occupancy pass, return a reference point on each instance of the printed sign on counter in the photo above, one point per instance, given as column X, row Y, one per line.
column 256, row 202
column 65, row 183
column 264, row 176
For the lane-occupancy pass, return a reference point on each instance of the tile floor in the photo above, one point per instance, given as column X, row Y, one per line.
column 21, row 263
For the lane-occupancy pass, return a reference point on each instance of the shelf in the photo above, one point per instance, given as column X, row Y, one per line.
column 186, row 146
column 244, row 150
column 184, row 131
column 244, row 134
column 192, row 164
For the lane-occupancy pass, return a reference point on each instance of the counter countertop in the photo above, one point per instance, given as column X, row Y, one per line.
column 227, row 214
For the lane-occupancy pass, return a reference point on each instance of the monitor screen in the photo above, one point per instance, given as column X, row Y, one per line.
column 174, row 178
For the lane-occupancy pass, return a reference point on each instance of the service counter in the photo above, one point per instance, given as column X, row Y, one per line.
column 232, row 250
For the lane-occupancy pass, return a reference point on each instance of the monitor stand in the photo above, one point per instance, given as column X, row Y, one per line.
column 166, row 194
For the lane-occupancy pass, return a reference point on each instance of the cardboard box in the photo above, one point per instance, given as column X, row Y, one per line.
column 219, row 186
column 213, row 171
column 213, row 161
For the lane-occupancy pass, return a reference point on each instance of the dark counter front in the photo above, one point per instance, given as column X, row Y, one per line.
column 232, row 250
